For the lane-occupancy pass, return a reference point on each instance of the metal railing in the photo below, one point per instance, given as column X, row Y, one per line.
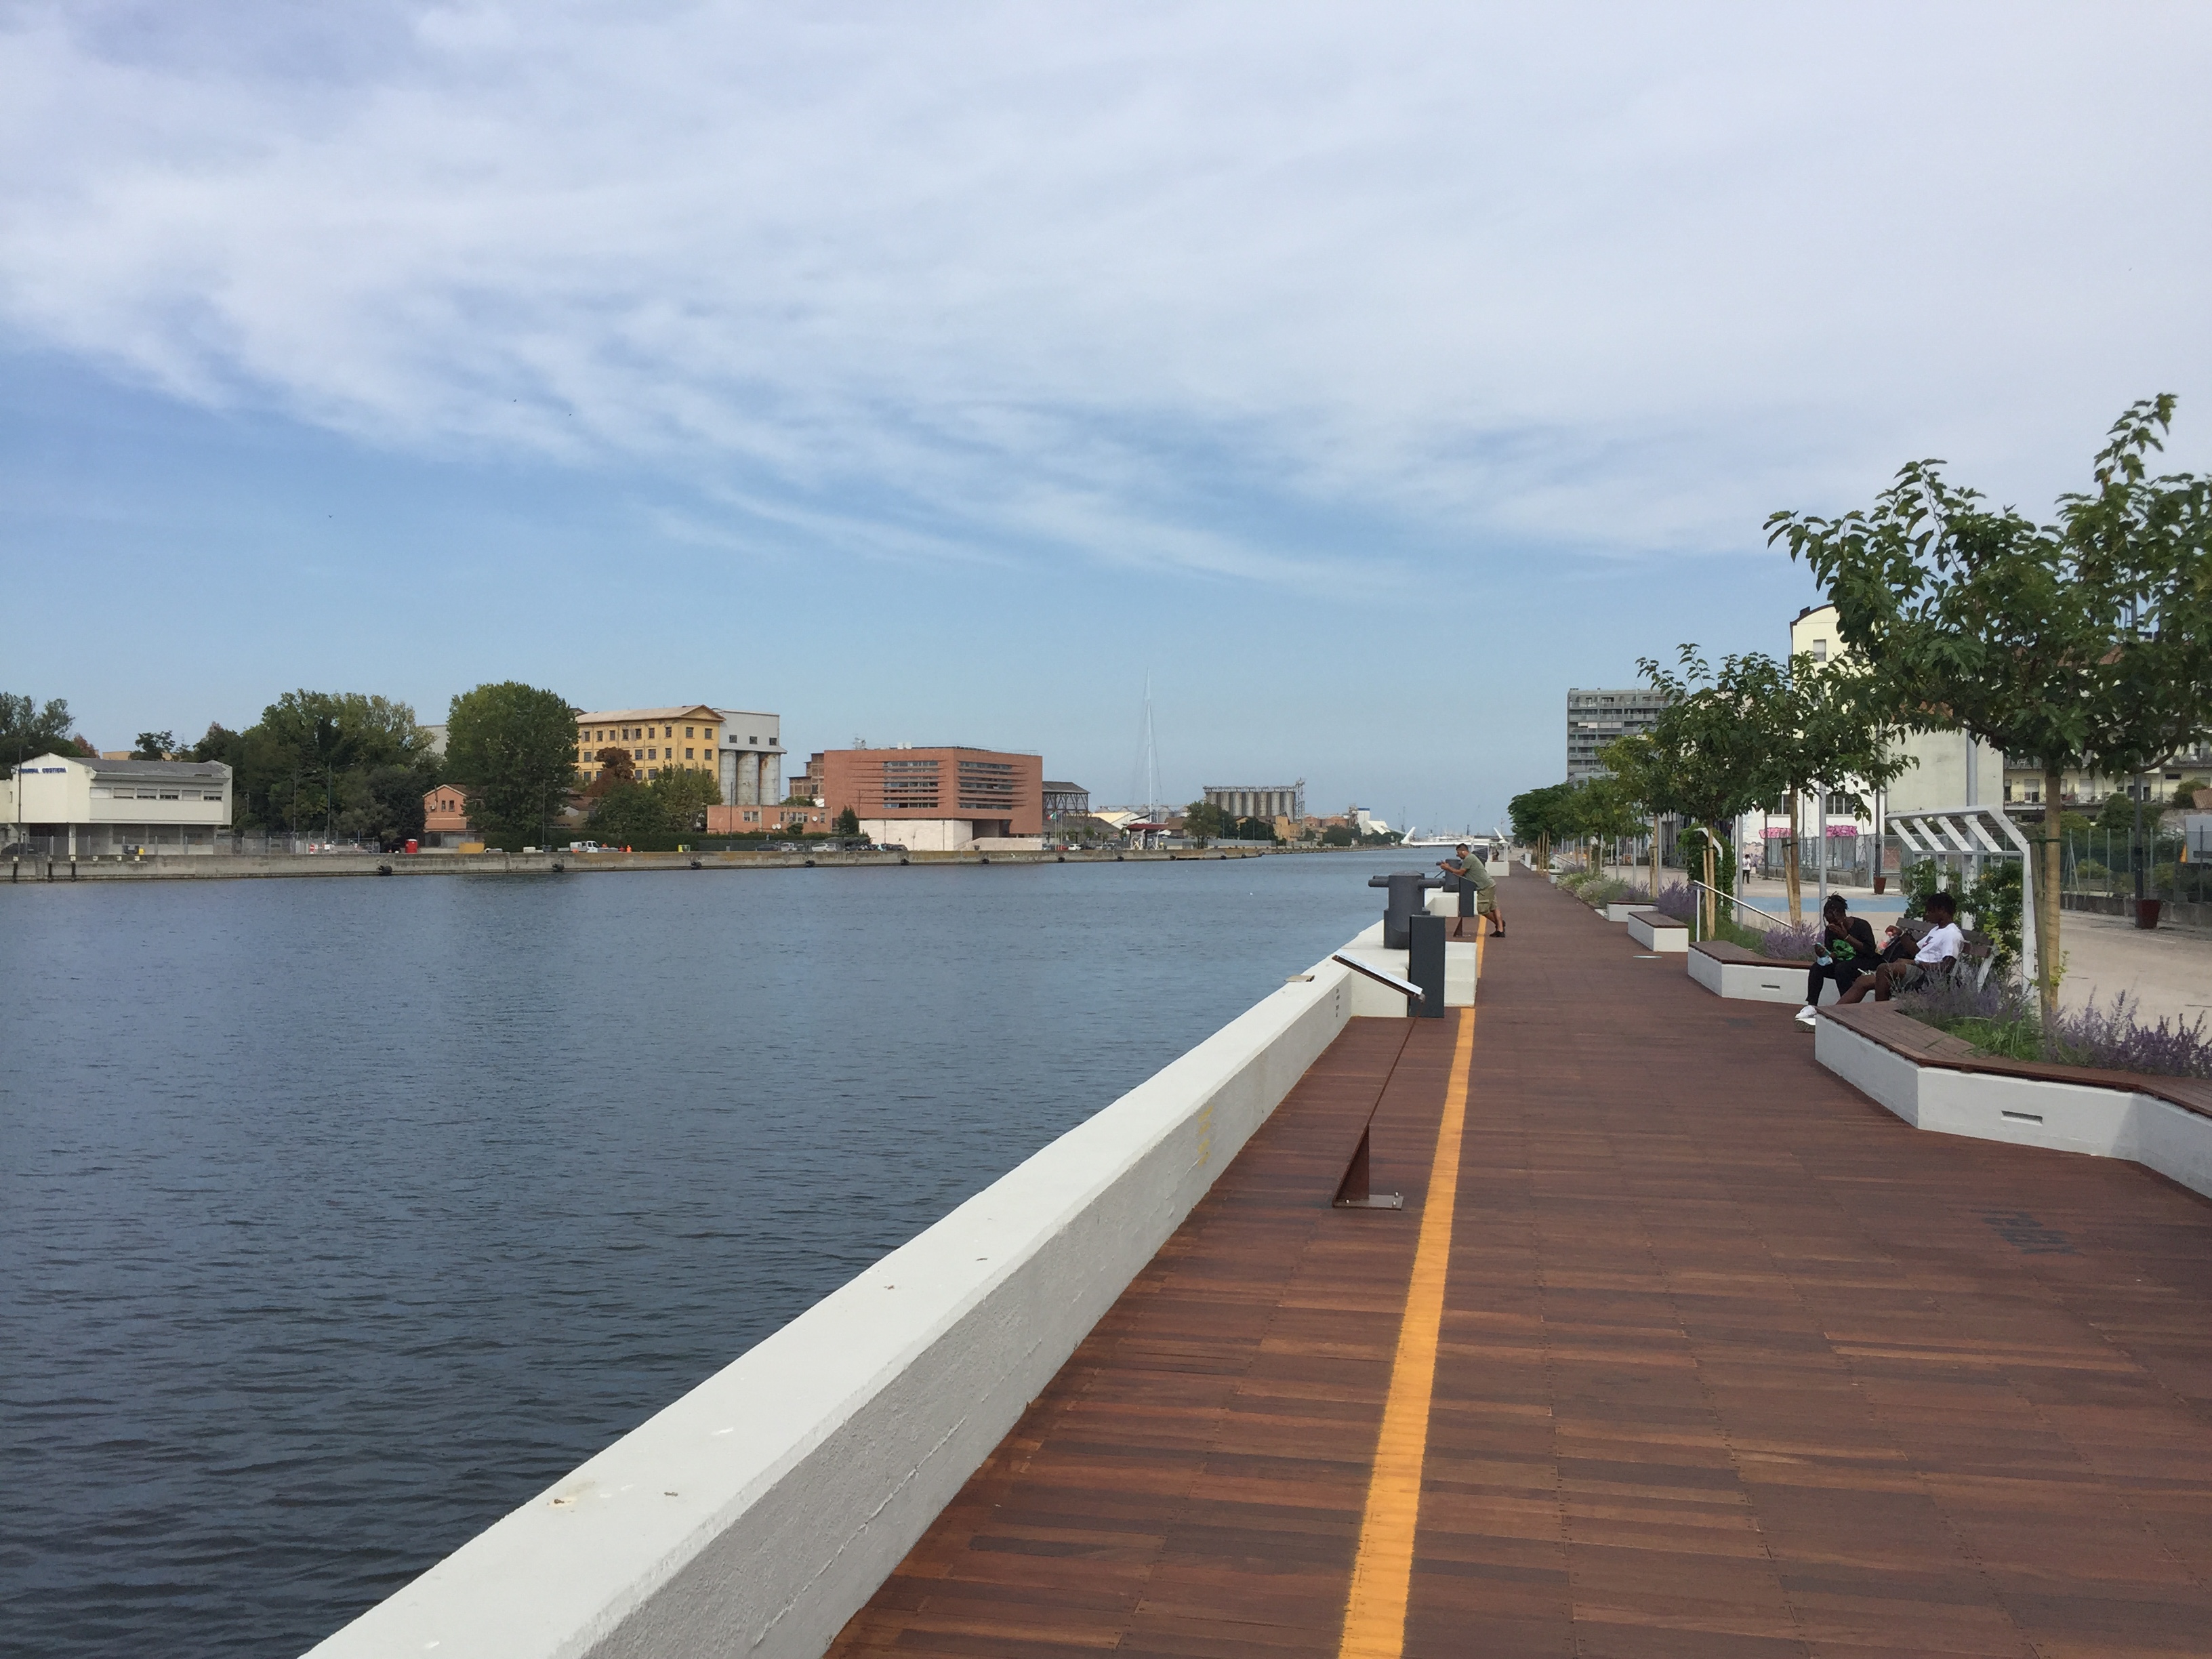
column 1721, row 898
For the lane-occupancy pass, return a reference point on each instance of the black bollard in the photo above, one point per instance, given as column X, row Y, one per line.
column 1424, row 963
column 1406, row 887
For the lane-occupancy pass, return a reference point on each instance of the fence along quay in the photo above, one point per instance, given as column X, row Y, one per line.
column 1680, row 1343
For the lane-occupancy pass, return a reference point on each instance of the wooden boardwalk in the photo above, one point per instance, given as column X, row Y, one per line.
column 1731, row 1363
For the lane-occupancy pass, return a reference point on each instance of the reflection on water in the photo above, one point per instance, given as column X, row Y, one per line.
column 337, row 1217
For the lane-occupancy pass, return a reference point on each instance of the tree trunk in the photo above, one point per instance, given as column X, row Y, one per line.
column 1789, row 874
column 2046, row 893
column 1654, row 860
column 1708, row 894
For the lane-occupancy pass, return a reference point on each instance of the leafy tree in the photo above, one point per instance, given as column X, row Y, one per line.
column 218, row 744
column 1828, row 731
column 848, row 822
column 1710, row 749
column 28, row 729
column 344, row 763
column 153, row 745
column 629, row 812
column 1202, row 821
column 684, row 796
column 2084, row 643
column 1635, row 767
column 1541, row 817
column 513, row 747
column 1607, row 807
column 1338, row 835
column 615, row 766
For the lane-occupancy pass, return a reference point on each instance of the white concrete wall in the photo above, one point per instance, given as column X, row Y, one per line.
column 1743, row 981
column 1662, row 935
column 921, row 834
column 757, row 1513
column 2068, row 1117
column 1462, row 960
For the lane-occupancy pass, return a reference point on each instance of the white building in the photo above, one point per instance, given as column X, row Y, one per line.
column 751, row 758
column 61, row 805
column 1945, row 768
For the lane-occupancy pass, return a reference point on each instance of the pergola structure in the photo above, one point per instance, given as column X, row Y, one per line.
column 1976, row 832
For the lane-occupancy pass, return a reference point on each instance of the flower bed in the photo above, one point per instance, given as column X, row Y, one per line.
column 2002, row 1020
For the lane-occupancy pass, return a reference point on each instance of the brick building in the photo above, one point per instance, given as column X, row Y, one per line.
column 936, row 800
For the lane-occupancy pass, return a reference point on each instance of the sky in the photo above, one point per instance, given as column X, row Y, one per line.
column 1361, row 377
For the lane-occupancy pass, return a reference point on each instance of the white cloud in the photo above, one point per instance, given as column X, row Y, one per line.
column 1090, row 279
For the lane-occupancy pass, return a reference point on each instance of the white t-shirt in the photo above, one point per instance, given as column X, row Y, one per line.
column 1941, row 942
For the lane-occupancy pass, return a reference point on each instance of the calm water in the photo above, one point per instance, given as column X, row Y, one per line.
column 336, row 1218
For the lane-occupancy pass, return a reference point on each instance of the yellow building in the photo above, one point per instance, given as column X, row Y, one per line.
column 659, row 740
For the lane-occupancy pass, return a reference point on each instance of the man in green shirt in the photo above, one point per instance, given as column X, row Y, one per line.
column 1478, row 891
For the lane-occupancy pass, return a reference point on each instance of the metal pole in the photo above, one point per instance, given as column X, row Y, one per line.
column 1824, row 848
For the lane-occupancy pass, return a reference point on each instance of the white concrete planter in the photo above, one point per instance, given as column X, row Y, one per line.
column 1621, row 912
column 1654, row 931
column 757, row 1513
column 1762, row 981
column 2105, row 1121
column 1370, row 1000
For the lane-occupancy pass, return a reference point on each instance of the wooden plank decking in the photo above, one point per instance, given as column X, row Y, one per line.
column 1732, row 1362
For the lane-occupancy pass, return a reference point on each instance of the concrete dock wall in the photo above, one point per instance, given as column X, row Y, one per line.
column 757, row 1513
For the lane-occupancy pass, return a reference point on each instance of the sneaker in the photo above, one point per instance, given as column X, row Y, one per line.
column 1808, row 1019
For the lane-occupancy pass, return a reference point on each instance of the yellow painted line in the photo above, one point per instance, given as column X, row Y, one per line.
column 1382, row 1575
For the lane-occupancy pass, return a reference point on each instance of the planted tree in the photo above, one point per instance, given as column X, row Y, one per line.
column 513, row 747
column 2086, row 642
column 848, row 822
column 153, row 745
column 1829, row 734
column 1634, row 767
column 1709, row 755
column 1540, row 816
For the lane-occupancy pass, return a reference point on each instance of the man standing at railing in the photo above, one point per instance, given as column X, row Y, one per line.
column 1478, row 890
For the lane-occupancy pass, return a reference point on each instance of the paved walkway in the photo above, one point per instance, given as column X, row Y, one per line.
column 1726, row 1361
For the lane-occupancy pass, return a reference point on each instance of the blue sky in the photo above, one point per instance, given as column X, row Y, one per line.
column 1364, row 376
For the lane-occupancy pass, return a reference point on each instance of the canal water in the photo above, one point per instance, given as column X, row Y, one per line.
column 338, row 1216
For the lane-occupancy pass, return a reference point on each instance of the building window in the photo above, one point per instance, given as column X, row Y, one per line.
column 687, row 755
column 1820, row 651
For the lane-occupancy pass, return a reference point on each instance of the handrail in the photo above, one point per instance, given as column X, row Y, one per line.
column 1405, row 988
column 1741, row 904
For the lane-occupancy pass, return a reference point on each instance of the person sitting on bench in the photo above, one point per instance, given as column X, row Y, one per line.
column 1847, row 950
column 1940, row 947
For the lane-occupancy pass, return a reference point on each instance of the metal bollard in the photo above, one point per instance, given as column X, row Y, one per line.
column 1406, row 887
column 1424, row 963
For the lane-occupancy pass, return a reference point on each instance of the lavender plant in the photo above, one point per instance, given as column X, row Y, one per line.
column 2116, row 1038
column 1798, row 943
column 2000, row 1018
column 1677, row 899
